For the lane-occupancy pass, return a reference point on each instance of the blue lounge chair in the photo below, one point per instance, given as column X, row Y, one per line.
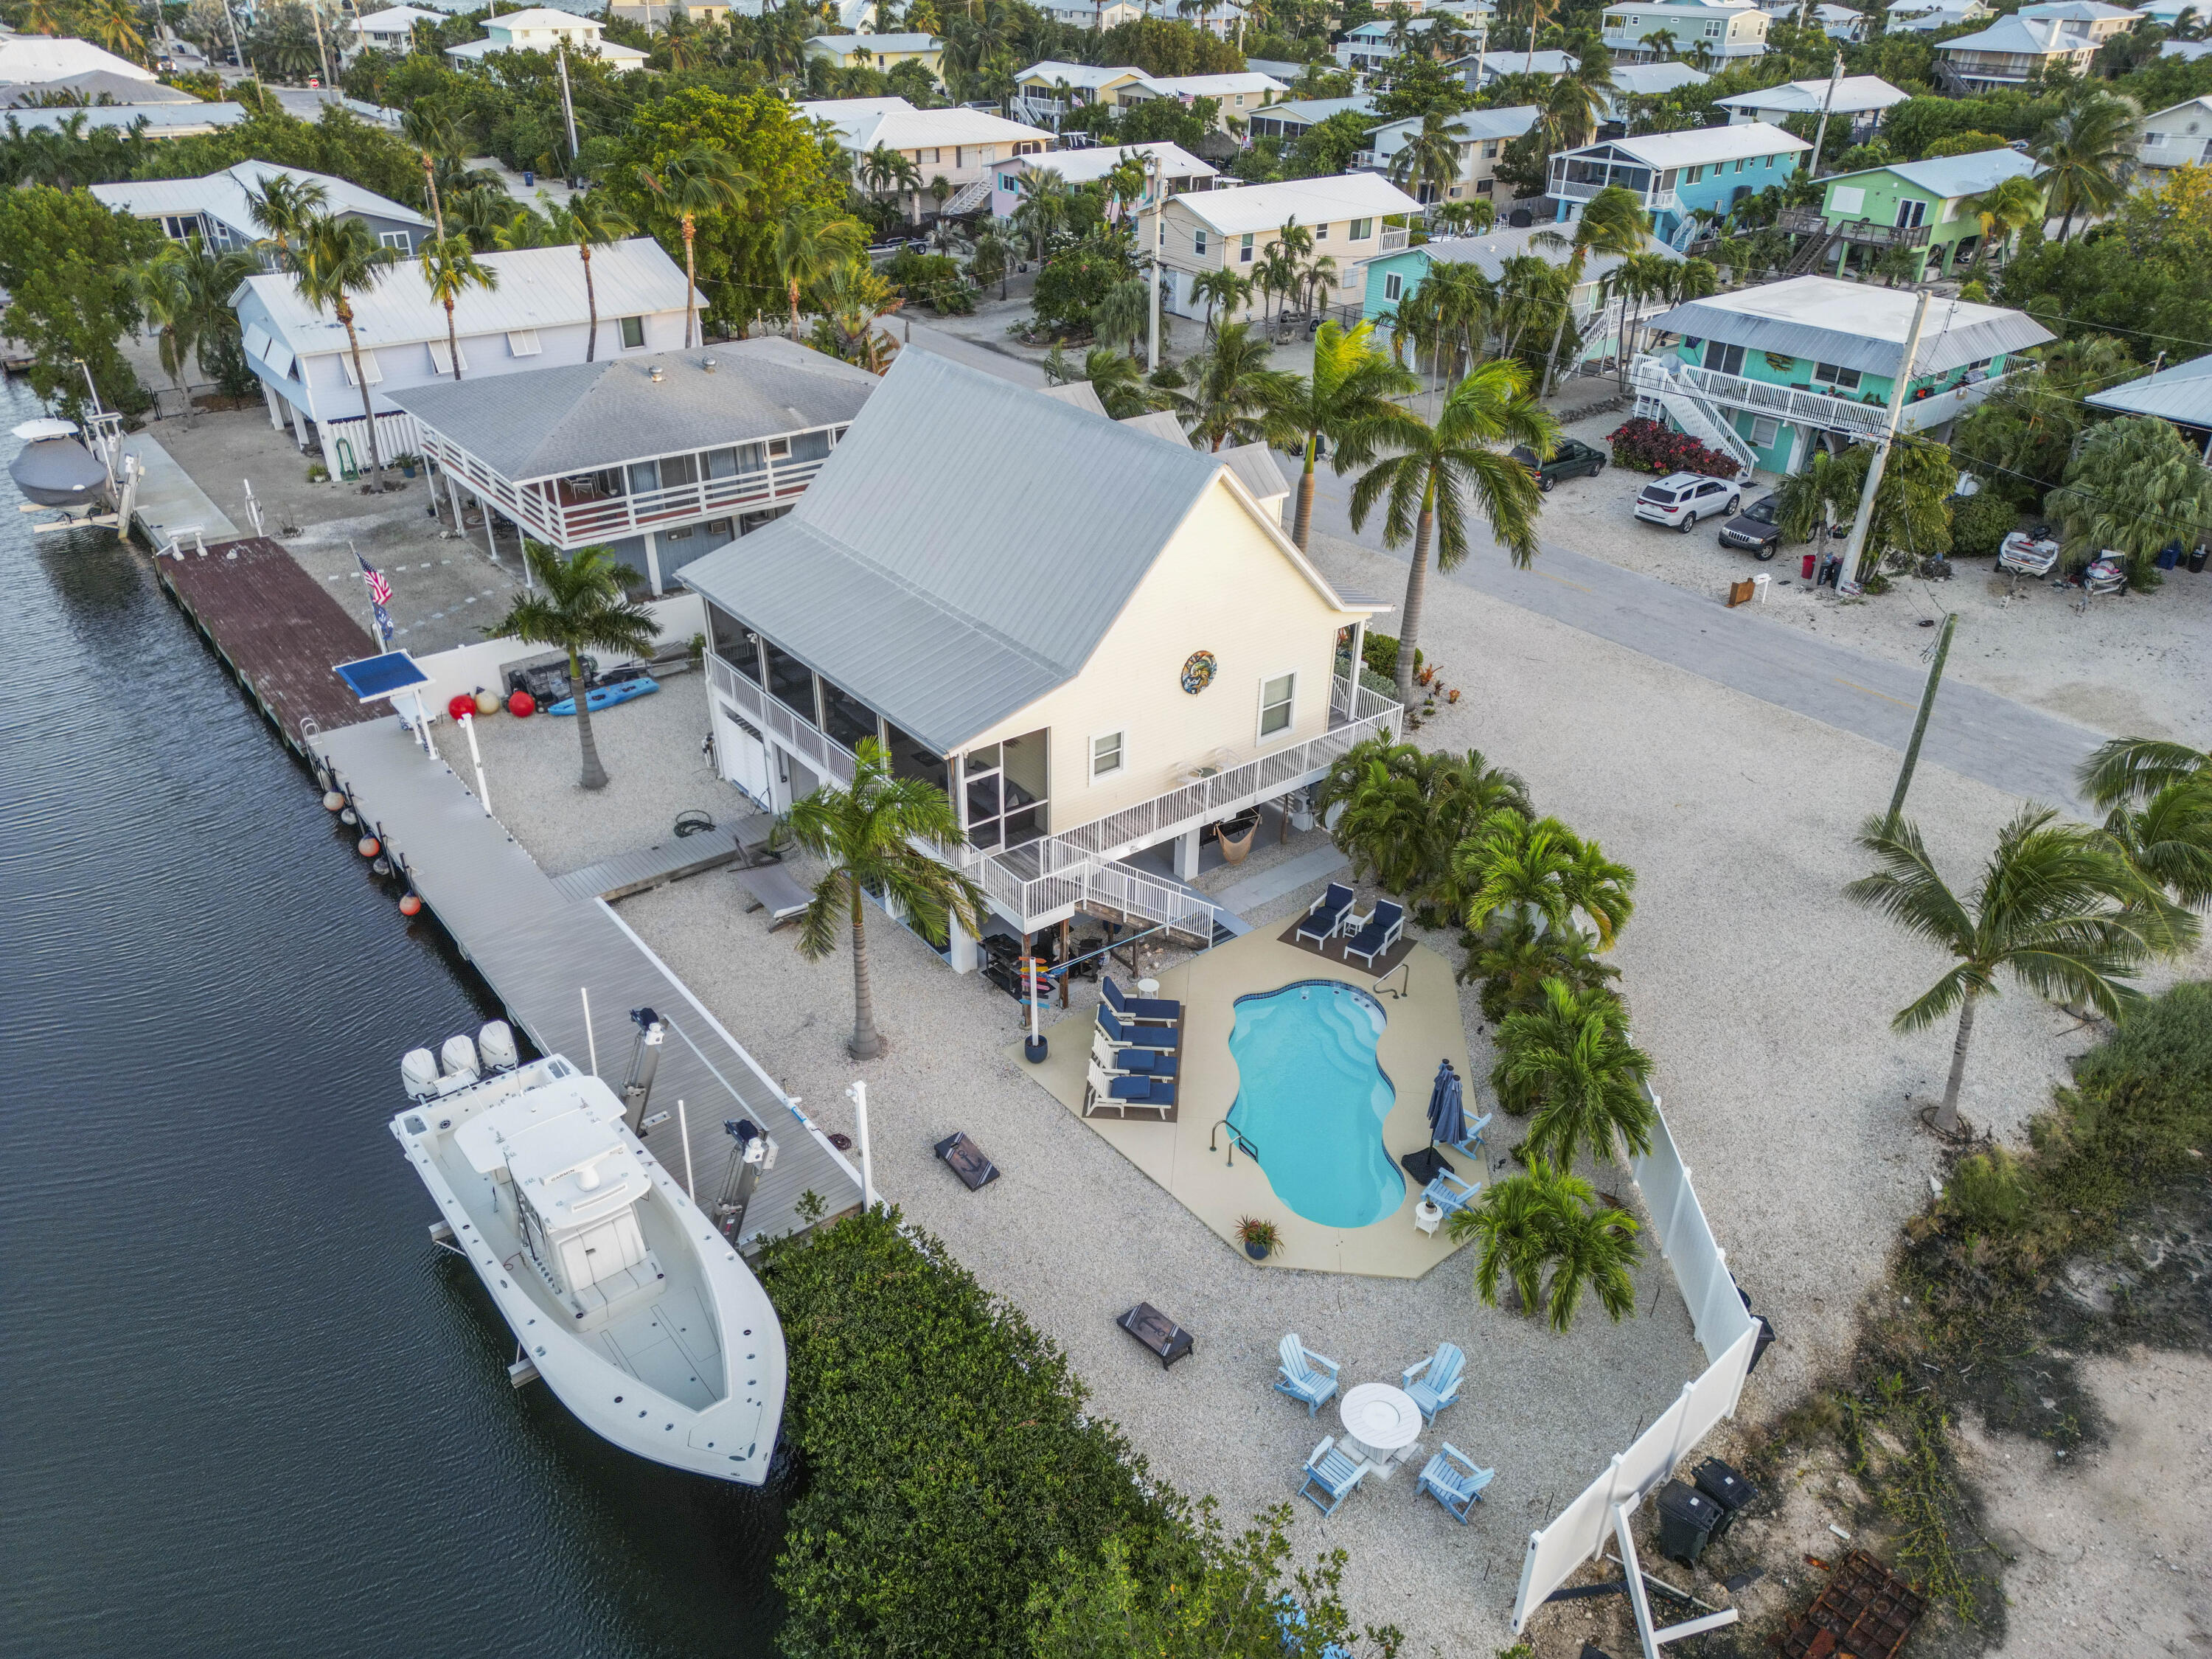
column 1449, row 1193
column 1145, row 1011
column 1378, row 935
column 1154, row 1094
column 1305, row 1376
column 1473, row 1139
column 1325, row 914
column 1122, row 1034
column 1334, row 1471
column 1434, row 1383
column 1130, row 1062
column 1452, row 1479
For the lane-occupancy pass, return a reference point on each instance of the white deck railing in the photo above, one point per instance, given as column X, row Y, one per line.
column 1655, row 376
column 796, row 733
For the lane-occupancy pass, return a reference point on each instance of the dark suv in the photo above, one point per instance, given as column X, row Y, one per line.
column 1572, row 459
column 1755, row 530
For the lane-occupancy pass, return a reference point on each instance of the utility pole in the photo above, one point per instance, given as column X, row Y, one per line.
column 1820, row 137
column 1152, row 338
column 567, row 108
column 231, row 18
column 322, row 47
column 1920, row 724
column 1855, row 547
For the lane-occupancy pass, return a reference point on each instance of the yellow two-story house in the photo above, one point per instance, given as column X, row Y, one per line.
column 1233, row 230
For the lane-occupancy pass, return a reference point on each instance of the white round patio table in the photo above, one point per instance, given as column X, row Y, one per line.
column 1382, row 1419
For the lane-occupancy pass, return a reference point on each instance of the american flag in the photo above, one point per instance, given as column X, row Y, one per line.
column 379, row 595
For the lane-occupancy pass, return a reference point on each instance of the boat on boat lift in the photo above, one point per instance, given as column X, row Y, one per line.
column 55, row 469
column 625, row 1299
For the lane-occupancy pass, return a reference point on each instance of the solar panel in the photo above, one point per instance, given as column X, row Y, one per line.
column 372, row 677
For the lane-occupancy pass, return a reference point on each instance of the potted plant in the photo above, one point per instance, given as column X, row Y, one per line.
column 1236, row 834
column 1259, row 1238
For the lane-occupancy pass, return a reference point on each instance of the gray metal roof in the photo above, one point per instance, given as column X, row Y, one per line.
column 1080, row 393
column 1255, row 465
column 1855, row 325
column 579, row 417
column 2182, row 392
column 963, row 551
column 95, row 83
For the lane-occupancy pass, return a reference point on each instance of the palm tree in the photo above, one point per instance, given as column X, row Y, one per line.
column 1542, row 870
column 336, row 259
column 991, row 259
column 1638, row 277
column 2158, row 799
column 1232, row 393
column 1347, row 399
column 1614, row 222
column 1817, row 495
column 2057, row 905
column 1223, row 288
column 1426, row 484
column 582, row 604
column 430, row 131
column 698, row 179
column 852, row 297
column 1119, row 381
column 451, row 269
column 185, row 291
column 2008, row 206
column 1044, row 208
column 811, row 242
column 2129, row 771
column 115, row 24
column 1463, row 304
column 1430, row 159
column 1661, row 42
column 1547, row 1219
column 590, row 220
column 2088, row 152
column 1514, row 961
column 871, row 837
column 1121, row 314
column 283, row 207
column 1570, row 1065
column 1387, row 829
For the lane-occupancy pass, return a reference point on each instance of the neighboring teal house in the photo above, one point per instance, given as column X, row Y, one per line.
column 1676, row 174
column 1764, row 373
column 1925, row 205
column 1391, row 276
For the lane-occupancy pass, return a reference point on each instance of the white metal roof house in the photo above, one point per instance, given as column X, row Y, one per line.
column 1214, row 229
column 1722, row 29
column 1676, row 173
column 1489, row 67
column 1238, row 95
column 1179, row 169
column 1485, row 132
column 879, row 52
column 662, row 456
column 541, row 28
column 1095, row 641
column 1294, row 118
column 2011, row 50
column 1647, row 81
column 392, row 28
column 2177, row 136
column 1856, row 95
column 536, row 317
column 216, row 208
column 56, row 58
column 958, row 144
column 1927, row 16
column 165, row 121
column 2181, row 392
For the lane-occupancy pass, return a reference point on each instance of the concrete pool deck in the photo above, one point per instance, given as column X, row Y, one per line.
column 1420, row 1029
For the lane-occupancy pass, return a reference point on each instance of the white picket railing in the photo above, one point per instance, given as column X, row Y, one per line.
column 798, row 734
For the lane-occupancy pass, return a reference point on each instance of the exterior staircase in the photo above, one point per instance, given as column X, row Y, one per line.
column 1812, row 253
column 1691, row 413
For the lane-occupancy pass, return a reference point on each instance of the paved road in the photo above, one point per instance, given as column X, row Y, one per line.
column 1974, row 733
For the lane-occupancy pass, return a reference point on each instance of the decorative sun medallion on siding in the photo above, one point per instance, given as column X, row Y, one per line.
column 1198, row 671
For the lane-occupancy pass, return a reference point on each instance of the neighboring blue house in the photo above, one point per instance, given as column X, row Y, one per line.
column 1677, row 173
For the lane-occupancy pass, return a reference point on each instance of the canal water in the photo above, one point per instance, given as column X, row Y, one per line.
column 250, row 1410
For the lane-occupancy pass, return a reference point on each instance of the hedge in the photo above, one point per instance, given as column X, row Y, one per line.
column 1648, row 446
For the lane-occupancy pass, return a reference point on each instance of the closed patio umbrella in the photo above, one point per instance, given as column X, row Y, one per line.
column 1447, row 1115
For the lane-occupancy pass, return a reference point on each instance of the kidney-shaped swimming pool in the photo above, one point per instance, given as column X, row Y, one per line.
column 1311, row 1098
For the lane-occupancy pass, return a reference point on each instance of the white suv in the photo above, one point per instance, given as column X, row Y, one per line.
column 1681, row 498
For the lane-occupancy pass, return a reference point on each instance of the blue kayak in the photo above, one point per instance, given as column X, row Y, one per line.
column 606, row 697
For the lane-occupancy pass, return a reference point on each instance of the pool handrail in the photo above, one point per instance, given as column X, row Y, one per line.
column 1236, row 1138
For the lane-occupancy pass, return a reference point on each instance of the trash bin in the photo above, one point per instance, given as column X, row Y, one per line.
column 1726, row 1488
column 1687, row 1520
column 1805, row 568
column 2197, row 558
column 2169, row 556
column 1767, row 1337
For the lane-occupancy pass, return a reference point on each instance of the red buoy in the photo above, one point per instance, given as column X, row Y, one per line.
column 521, row 705
column 461, row 707
column 410, row 906
column 369, row 847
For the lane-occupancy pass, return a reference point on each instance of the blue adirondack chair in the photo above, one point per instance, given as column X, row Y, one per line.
column 1130, row 1062
column 1380, row 934
column 1473, row 1138
column 1326, row 914
column 1448, row 1192
column 1333, row 1472
column 1452, row 1479
column 1122, row 1034
column 1434, row 1381
column 1144, row 1011
column 1308, row 1377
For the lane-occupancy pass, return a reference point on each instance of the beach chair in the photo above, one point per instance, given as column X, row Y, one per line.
column 1308, row 1377
column 1473, row 1139
column 1130, row 1062
column 1433, row 1383
column 1334, row 1471
column 1452, row 1479
column 1122, row 1034
column 1144, row 1011
column 772, row 889
column 1380, row 934
column 1325, row 915
column 1449, row 1193
column 1153, row 1094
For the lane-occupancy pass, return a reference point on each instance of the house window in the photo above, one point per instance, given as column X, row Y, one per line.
column 792, row 680
column 523, row 343
column 1393, row 285
column 1321, row 233
column 441, row 357
column 1106, row 755
column 1198, row 243
column 369, row 367
column 633, row 333
column 779, row 449
column 1360, row 231
column 1277, row 704
column 845, row 717
column 397, row 239
column 1008, row 183
column 1739, row 167
column 1844, row 379
column 1725, row 359
column 1489, row 149
column 1244, row 249
column 1764, row 429
column 1912, row 214
column 1003, row 788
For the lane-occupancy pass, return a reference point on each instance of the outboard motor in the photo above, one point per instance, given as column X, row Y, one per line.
column 644, row 1061
column 460, row 1055
column 754, row 1154
column 418, row 1073
column 495, row 1044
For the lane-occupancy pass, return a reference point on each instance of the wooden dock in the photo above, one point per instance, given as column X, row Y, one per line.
column 539, row 948
column 276, row 628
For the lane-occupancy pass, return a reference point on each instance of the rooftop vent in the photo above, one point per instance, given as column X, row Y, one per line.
column 655, row 372
column 710, row 364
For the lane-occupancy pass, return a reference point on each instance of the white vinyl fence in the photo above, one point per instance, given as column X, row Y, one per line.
column 1726, row 1331
column 466, row 667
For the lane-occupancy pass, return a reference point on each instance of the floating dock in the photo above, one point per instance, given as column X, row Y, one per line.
column 274, row 627
column 542, row 948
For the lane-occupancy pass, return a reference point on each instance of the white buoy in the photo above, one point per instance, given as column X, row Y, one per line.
column 333, row 801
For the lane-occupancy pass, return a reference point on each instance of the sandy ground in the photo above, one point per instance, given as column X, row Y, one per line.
column 2112, row 1549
